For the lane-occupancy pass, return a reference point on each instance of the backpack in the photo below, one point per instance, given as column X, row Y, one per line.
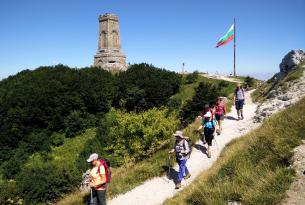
column 243, row 91
column 190, row 143
column 213, row 120
column 106, row 164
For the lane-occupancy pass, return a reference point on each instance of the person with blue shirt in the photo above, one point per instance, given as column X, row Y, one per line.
column 208, row 125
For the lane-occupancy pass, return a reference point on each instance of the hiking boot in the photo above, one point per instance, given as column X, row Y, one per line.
column 218, row 131
column 187, row 176
column 178, row 186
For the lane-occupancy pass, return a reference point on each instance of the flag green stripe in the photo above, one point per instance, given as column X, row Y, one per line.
column 228, row 35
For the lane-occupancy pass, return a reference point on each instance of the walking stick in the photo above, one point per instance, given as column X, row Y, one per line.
column 91, row 197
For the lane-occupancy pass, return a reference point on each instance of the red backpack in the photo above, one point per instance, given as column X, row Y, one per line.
column 106, row 164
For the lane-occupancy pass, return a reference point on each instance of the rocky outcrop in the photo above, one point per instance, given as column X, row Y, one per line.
column 292, row 59
column 282, row 97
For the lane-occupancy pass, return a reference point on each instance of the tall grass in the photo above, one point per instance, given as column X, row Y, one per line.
column 253, row 169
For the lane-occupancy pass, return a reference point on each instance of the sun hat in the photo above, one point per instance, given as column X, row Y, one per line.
column 92, row 157
column 208, row 114
column 178, row 133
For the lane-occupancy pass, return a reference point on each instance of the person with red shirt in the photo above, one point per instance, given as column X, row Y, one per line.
column 220, row 112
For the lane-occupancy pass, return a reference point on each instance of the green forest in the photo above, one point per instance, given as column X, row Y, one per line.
column 52, row 118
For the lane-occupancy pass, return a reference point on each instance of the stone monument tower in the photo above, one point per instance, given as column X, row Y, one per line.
column 109, row 55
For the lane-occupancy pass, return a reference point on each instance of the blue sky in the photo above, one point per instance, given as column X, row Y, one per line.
column 164, row 33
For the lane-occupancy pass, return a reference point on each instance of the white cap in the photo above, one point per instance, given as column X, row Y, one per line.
column 208, row 114
column 92, row 157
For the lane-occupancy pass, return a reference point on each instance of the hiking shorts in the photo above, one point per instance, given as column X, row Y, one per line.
column 239, row 104
column 219, row 117
column 208, row 135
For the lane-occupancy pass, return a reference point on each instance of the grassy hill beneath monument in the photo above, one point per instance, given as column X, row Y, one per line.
column 53, row 117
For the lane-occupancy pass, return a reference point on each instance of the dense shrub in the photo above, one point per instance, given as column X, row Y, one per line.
column 45, row 182
column 42, row 99
column 144, row 86
column 125, row 137
column 205, row 93
column 249, row 81
column 191, row 78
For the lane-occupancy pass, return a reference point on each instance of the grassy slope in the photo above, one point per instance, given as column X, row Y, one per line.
column 128, row 177
column 253, row 169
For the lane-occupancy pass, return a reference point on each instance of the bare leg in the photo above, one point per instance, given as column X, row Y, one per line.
column 242, row 115
column 209, row 152
column 238, row 114
column 219, row 124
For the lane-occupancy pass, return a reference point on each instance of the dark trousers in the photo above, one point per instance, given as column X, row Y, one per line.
column 101, row 197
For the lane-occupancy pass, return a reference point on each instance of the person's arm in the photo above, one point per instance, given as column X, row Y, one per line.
column 102, row 175
column 171, row 151
column 200, row 127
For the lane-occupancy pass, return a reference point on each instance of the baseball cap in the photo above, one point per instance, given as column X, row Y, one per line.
column 92, row 157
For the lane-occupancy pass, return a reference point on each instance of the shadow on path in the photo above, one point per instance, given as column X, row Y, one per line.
column 171, row 173
column 201, row 148
column 231, row 118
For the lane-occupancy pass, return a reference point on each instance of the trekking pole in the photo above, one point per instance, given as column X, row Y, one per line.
column 91, row 197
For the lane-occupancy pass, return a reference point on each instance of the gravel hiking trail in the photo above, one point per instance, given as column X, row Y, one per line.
column 156, row 190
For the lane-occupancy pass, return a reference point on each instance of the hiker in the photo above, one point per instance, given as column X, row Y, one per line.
column 182, row 149
column 98, row 179
column 239, row 100
column 206, row 109
column 208, row 124
column 220, row 112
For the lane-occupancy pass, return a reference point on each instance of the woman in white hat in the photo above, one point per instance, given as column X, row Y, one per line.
column 209, row 124
column 183, row 151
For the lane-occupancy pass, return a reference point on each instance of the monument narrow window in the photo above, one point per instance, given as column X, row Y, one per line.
column 115, row 37
column 104, row 39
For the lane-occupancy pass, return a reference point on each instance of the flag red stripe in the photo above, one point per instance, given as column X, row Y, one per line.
column 225, row 42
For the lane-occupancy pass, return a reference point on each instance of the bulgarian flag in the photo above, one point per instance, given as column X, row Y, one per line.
column 226, row 38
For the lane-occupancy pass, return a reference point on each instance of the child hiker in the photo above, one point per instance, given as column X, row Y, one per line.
column 182, row 150
column 208, row 125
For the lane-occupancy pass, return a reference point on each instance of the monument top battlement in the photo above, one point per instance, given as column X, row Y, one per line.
column 108, row 16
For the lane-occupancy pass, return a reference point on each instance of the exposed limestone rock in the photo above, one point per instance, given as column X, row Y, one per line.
column 292, row 59
column 280, row 98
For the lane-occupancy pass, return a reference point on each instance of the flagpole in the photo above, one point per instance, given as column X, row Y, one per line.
column 234, row 71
